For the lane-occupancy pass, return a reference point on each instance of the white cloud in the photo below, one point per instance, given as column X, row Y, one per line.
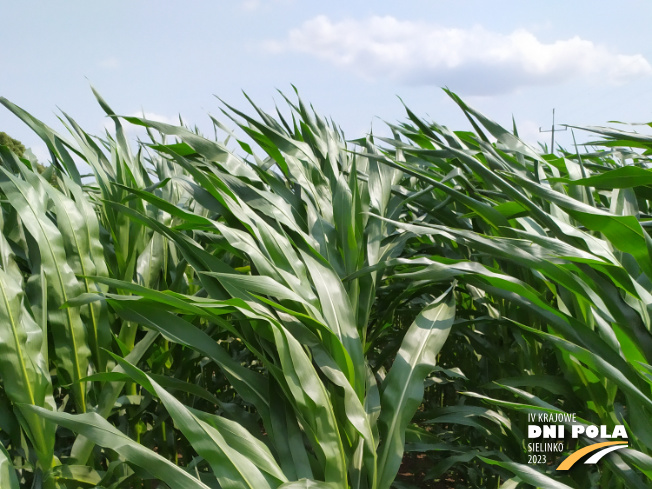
column 254, row 5
column 110, row 63
column 472, row 61
column 251, row 5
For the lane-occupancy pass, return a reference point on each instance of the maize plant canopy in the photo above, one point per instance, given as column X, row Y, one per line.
column 280, row 307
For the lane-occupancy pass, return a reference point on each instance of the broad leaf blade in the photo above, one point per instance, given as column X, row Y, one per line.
column 403, row 387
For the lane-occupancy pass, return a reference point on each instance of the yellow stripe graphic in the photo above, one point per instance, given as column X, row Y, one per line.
column 571, row 459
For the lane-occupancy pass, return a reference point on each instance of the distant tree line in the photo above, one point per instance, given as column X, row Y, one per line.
column 19, row 150
column 13, row 144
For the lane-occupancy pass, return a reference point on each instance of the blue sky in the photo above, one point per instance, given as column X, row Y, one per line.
column 592, row 61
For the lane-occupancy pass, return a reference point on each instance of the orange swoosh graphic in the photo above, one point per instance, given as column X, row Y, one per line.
column 571, row 459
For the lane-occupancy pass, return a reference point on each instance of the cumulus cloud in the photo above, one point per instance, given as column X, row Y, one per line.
column 474, row 60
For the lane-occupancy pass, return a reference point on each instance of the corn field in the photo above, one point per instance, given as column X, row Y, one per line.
column 279, row 307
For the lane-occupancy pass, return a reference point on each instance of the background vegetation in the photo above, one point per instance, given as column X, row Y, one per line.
column 298, row 310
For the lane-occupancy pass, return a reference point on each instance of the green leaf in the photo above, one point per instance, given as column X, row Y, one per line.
column 109, row 393
column 527, row 474
column 8, row 478
column 55, row 143
column 93, row 426
column 68, row 330
column 248, row 383
column 23, row 355
column 624, row 232
column 76, row 473
column 402, row 389
column 623, row 177
column 308, row 484
column 237, row 458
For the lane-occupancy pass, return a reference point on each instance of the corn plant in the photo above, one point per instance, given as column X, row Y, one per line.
column 554, row 257
column 56, row 236
column 269, row 313
column 272, row 247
